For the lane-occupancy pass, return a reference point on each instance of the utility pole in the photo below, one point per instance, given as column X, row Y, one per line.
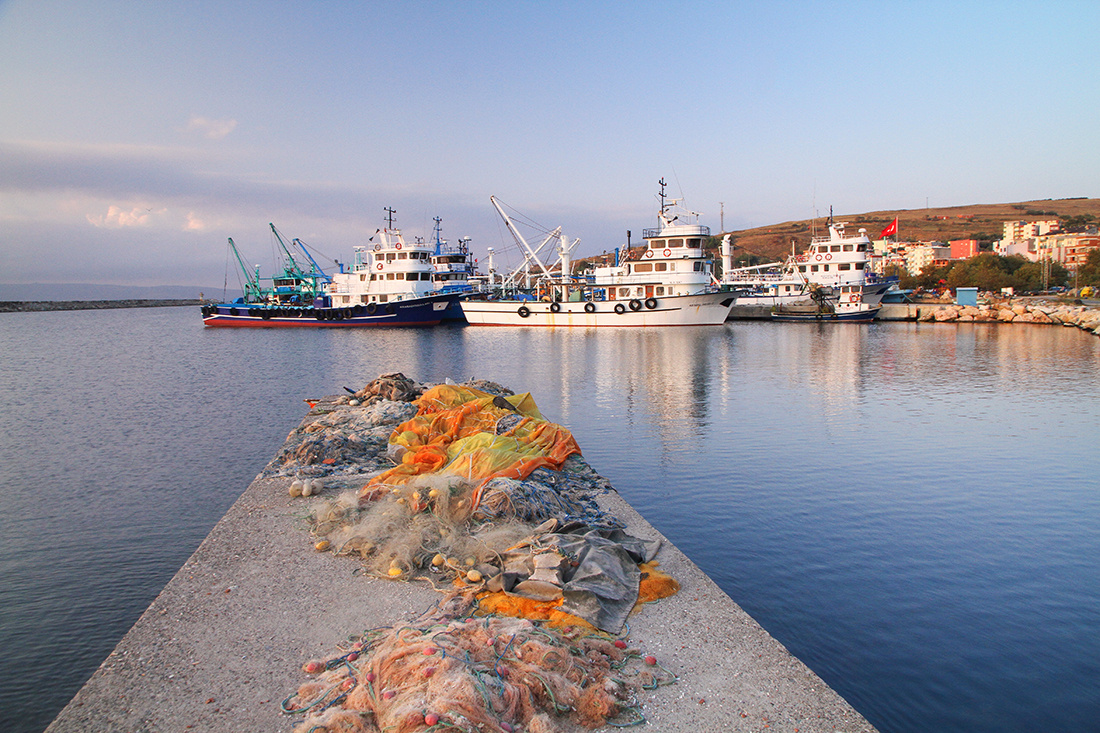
column 722, row 215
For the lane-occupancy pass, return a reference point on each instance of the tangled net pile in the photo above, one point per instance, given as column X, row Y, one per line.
column 498, row 675
column 493, row 504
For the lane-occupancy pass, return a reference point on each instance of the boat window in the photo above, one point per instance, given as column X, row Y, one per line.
column 660, row 266
column 624, row 292
column 826, row 268
column 861, row 248
column 814, row 268
column 657, row 244
column 389, row 276
column 401, row 256
column 802, row 268
column 389, row 257
column 835, row 248
column 660, row 290
column 383, row 298
column 844, row 266
column 675, row 243
column 859, row 265
column 643, row 267
column 697, row 243
column 849, row 248
column 400, row 276
column 363, row 277
column 698, row 266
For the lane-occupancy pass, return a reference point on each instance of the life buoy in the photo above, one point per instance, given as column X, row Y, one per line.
column 635, row 305
column 649, row 253
column 377, row 248
column 855, row 297
column 828, row 257
column 379, row 265
column 589, row 307
column 371, row 308
column 389, row 308
column 555, row 307
column 817, row 257
column 523, row 311
column 668, row 253
column 620, row 308
column 651, row 303
column 397, row 246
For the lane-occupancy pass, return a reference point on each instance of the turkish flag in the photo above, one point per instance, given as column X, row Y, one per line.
column 891, row 228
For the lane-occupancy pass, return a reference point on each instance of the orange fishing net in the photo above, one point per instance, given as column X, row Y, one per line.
column 471, row 434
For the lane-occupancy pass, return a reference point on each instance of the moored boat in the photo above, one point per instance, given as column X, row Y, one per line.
column 831, row 262
column 669, row 284
column 388, row 284
column 844, row 304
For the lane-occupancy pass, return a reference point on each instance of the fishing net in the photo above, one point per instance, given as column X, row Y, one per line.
column 474, row 674
column 495, row 507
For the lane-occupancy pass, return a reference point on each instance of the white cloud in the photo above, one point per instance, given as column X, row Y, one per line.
column 194, row 223
column 211, row 129
column 116, row 218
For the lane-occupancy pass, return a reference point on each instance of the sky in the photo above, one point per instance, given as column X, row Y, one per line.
column 136, row 136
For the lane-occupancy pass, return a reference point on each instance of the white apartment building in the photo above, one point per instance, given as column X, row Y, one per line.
column 923, row 255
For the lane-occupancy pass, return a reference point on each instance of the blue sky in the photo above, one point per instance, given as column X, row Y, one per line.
column 135, row 137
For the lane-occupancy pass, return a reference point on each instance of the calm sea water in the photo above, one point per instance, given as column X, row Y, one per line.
column 911, row 509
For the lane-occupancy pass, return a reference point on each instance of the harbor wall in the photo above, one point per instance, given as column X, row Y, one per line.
column 223, row 644
column 24, row 306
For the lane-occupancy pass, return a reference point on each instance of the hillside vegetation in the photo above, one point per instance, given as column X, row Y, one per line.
column 983, row 222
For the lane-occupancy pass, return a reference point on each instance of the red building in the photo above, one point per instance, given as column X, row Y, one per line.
column 962, row 249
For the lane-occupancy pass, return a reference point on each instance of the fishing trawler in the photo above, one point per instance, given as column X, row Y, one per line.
column 387, row 284
column 833, row 261
column 669, row 284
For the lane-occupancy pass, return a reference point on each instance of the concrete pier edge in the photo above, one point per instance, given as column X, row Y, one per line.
column 223, row 644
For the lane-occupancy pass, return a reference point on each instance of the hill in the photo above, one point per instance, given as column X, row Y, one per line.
column 976, row 221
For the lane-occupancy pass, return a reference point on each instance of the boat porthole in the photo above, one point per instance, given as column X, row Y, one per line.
column 635, row 305
column 620, row 308
column 589, row 307
column 555, row 307
column 523, row 311
column 651, row 303
column 371, row 308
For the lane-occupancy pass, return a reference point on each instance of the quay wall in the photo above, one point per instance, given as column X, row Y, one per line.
column 223, row 644
column 24, row 306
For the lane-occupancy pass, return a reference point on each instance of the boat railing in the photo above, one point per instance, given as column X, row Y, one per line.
column 685, row 230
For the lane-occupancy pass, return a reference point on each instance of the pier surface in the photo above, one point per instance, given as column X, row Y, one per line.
column 223, row 644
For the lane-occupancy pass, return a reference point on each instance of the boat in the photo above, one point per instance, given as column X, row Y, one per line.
column 389, row 284
column 844, row 303
column 455, row 270
column 832, row 261
column 669, row 284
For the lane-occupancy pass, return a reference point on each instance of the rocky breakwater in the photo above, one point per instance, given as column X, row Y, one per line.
column 1082, row 317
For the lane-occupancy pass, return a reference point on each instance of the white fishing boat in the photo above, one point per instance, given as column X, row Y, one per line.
column 669, row 284
column 833, row 261
column 389, row 272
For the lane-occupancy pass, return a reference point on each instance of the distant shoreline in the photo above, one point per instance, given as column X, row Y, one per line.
column 25, row 306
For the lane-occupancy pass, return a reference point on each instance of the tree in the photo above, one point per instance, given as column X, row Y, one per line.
column 1088, row 273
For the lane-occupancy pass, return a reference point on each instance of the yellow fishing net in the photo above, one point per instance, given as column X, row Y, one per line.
column 471, row 434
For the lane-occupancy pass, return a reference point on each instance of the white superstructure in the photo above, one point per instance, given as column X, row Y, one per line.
column 388, row 271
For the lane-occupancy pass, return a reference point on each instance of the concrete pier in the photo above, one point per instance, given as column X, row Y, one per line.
column 224, row 642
